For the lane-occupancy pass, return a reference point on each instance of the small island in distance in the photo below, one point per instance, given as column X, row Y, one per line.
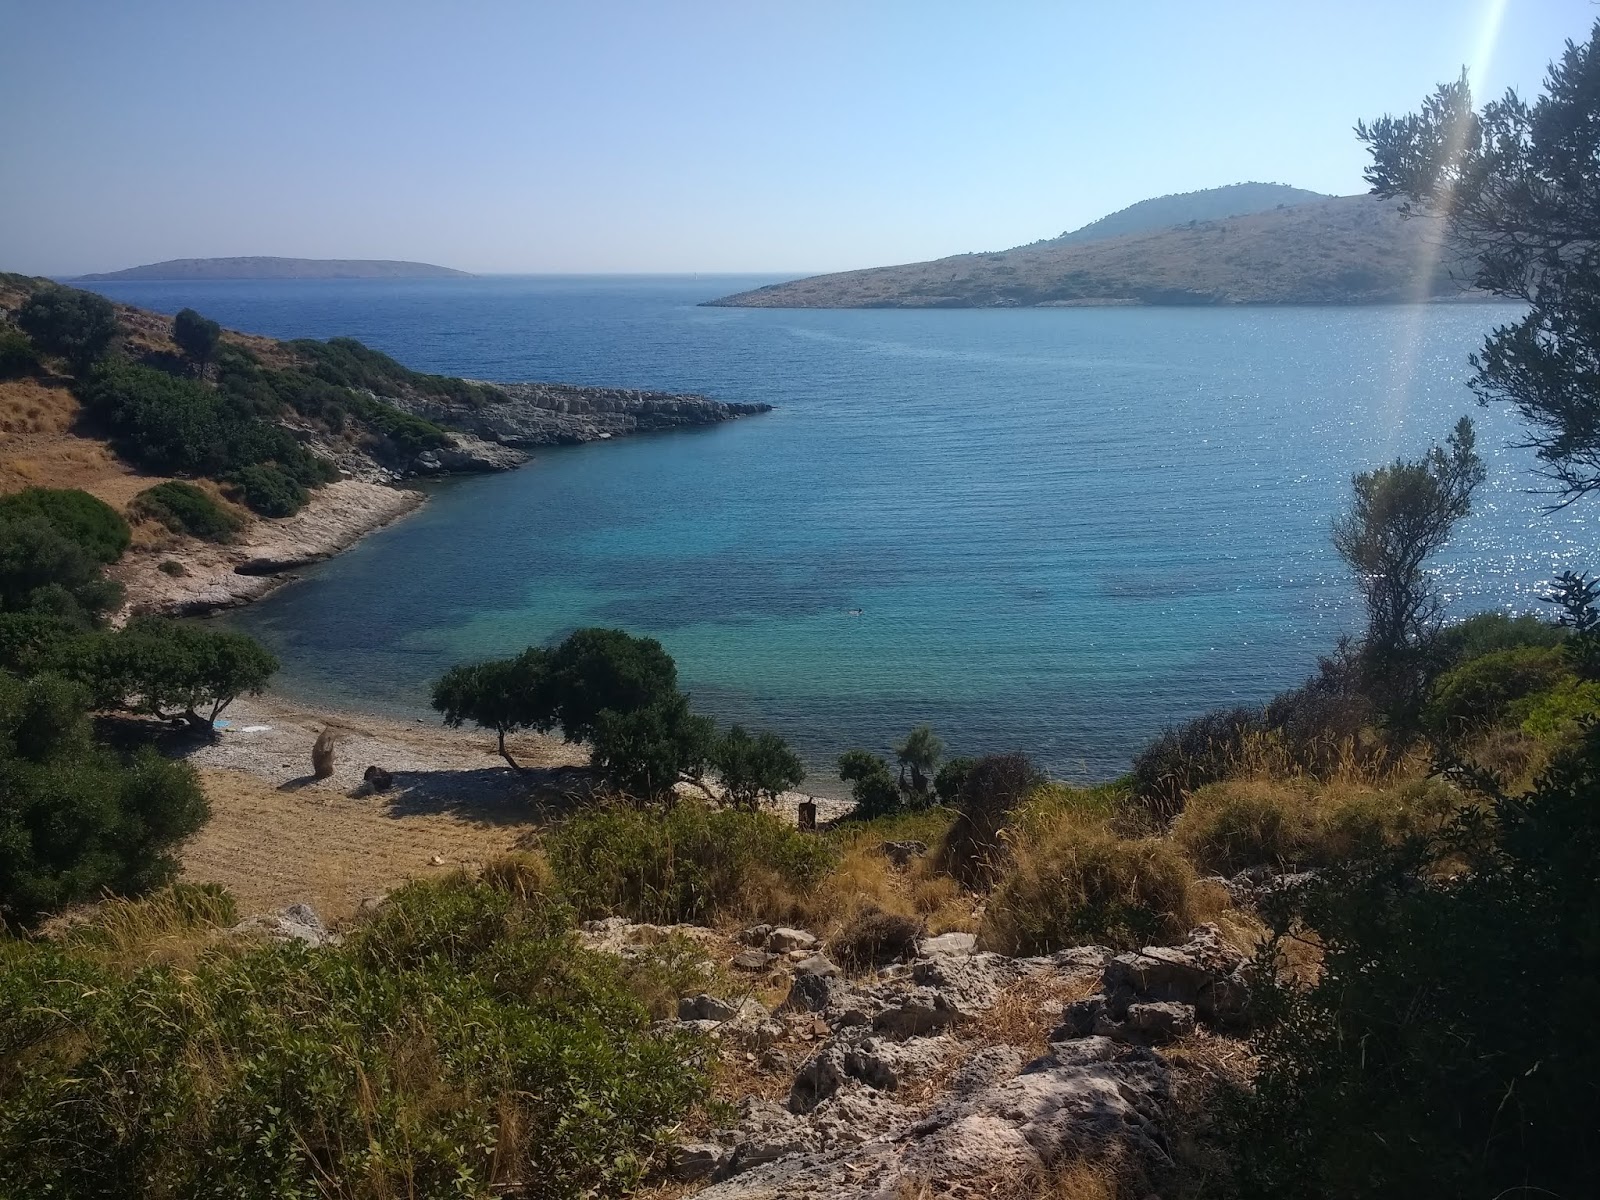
column 282, row 268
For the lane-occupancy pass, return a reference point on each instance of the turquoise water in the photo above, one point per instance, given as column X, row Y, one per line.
column 1063, row 528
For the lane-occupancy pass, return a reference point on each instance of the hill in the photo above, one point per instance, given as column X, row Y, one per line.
column 1344, row 250
column 1209, row 204
column 283, row 268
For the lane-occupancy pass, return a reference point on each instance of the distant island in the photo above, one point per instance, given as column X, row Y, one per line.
column 282, row 268
column 1251, row 243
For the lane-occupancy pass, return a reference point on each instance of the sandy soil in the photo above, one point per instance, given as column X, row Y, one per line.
column 278, row 836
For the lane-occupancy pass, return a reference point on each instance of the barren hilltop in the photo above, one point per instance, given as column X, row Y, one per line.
column 1336, row 250
column 283, row 268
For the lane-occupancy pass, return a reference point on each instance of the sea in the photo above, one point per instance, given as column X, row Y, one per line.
column 1048, row 530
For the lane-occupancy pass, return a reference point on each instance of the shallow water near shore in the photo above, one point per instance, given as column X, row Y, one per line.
column 1053, row 530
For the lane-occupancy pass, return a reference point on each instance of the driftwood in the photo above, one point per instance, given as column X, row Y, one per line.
column 322, row 754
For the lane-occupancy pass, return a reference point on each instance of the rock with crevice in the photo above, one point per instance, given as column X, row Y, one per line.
column 296, row 923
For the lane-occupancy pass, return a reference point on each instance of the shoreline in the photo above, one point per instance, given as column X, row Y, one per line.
column 217, row 577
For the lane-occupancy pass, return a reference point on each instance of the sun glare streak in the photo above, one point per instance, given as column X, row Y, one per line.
column 1430, row 249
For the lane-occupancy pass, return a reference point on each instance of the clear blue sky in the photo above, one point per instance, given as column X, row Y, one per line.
column 749, row 135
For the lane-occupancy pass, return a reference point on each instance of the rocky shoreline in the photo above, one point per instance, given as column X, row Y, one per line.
column 200, row 577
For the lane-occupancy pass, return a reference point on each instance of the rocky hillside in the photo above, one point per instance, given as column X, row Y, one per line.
column 1346, row 250
column 283, row 268
column 1208, row 204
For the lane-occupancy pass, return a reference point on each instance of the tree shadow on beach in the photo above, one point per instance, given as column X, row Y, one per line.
column 484, row 795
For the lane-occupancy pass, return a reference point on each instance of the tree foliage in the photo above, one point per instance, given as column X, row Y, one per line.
column 77, row 819
column 505, row 695
column 919, row 754
column 168, row 668
column 1403, row 515
column 195, row 335
column 78, row 326
column 1519, row 185
column 756, row 767
column 647, row 751
column 44, row 571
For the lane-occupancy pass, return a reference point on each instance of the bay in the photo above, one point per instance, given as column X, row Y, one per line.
column 1048, row 530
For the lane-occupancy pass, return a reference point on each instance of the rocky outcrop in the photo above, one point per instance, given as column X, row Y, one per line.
column 1158, row 994
column 551, row 414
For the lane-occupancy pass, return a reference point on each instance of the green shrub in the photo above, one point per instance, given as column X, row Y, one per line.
column 78, row 516
column 185, row 508
column 873, row 787
column 459, row 1044
column 77, row 818
column 43, row 571
column 1561, row 713
column 1446, row 1047
column 269, row 491
column 1489, row 632
column 686, row 864
column 1073, row 882
column 348, row 363
column 17, row 355
column 178, row 426
column 1481, row 691
column 78, row 326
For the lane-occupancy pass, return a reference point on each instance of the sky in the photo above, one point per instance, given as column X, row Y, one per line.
column 781, row 136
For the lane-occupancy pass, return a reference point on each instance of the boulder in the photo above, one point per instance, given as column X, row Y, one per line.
column 817, row 964
column 949, row 943
column 782, row 940
column 297, row 923
column 705, row 1008
column 694, row 1160
column 322, row 754
column 377, row 779
column 1158, row 1021
column 921, row 1011
column 753, row 960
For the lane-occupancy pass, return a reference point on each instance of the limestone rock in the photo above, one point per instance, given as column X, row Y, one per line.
column 901, row 853
column 705, row 1008
column 694, row 1160
column 950, row 943
column 297, row 923
column 816, row 965
column 783, row 940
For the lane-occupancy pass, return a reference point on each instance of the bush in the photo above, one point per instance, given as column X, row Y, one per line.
column 460, row 1043
column 17, row 355
column 994, row 789
column 1190, row 756
column 645, row 752
column 1446, row 1047
column 872, row 785
column 175, row 426
column 75, row 515
column 1488, row 632
column 1293, row 825
column 753, row 769
column 78, row 326
column 686, row 864
column 1074, row 882
column 269, row 491
column 1560, row 714
column 185, row 508
column 1481, row 691
column 872, row 937
column 76, row 818
column 42, row 571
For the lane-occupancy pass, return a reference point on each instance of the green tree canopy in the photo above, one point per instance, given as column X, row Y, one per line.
column 78, row 326
column 75, row 818
column 755, row 768
column 1519, row 187
column 170, row 668
column 919, row 754
column 505, row 695
column 646, row 752
column 1403, row 514
column 43, row 571
column 195, row 335
column 601, row 670
column 872, row 784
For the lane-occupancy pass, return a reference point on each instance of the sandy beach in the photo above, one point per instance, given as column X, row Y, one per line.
column 279, row 836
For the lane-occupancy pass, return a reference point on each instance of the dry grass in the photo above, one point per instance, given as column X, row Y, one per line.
column 1297, row 823
column 865, row 879
column 271, row 847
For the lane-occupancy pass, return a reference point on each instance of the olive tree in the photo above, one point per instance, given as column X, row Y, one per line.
column 196, row 336
column 77, row 326
column 1402, row 515
column 755, row 767
column 919, row 754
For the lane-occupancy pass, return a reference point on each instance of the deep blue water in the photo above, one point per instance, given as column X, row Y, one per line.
column 1064, row 528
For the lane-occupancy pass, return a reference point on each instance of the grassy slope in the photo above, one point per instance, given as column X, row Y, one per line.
column 1347, row 250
